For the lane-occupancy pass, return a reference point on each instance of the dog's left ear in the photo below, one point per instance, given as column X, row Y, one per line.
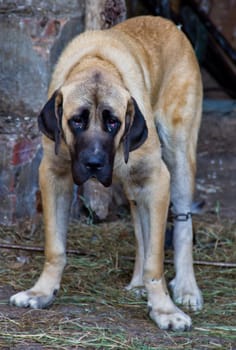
column 50, row 119
column 136, row 130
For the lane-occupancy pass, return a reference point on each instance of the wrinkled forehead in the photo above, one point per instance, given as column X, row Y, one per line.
column 93, row 91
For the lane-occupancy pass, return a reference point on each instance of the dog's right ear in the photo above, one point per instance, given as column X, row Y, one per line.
column 49, row 119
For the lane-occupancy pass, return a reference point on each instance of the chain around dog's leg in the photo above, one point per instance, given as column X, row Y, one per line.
column 184, row 285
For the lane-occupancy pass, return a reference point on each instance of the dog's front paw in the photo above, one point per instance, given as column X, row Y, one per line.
column 188, row 295
column 32, row 299
column 162, row 310
column 176, row 320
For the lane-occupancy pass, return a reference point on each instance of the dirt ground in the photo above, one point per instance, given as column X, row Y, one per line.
column 92, row 310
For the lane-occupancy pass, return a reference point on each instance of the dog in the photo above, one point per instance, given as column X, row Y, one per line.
column 125, row 103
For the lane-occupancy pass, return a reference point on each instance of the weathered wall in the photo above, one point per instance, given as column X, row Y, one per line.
column 223, row 15
column 32, row 35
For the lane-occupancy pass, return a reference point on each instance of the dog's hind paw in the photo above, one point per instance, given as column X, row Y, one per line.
column 190, row 296
column 32, row 299
column 139, row 292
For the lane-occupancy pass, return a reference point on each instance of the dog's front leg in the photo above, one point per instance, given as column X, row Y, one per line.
column 162, row 309
column 56, row 189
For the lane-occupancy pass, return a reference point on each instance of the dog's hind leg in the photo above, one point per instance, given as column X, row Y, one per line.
column 179, row 153
column 56, row 192
column 184, row 286
column 141, row 229
column 178, row 123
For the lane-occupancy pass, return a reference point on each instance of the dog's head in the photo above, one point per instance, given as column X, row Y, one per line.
column 94, row 115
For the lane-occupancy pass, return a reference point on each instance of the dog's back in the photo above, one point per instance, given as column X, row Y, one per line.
column 170, row 71
column 165, row 58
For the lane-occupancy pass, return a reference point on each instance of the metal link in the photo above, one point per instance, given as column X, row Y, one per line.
column 182, row 217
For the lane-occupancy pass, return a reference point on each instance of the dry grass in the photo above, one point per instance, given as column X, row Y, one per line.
column 93, row 311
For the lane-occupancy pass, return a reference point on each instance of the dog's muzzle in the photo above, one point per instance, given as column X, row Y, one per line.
column 89, row 164
column 94, row 163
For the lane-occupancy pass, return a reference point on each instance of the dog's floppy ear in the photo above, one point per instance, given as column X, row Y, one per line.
column 49, row 119
column 136, row 130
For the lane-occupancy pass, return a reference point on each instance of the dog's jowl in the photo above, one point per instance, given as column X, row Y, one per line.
column 125, row 103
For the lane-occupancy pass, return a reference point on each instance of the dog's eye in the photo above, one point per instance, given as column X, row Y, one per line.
column 77, row 122
column 80, row 121
column 111, row 123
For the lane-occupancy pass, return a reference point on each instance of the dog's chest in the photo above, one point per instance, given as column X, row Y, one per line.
column 133, row 175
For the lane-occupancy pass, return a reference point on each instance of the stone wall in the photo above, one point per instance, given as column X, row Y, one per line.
column 32, row 35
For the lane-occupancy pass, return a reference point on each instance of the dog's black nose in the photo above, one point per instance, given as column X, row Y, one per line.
column 94, row 162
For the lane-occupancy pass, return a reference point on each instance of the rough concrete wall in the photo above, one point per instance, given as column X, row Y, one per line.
column 32, row 35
